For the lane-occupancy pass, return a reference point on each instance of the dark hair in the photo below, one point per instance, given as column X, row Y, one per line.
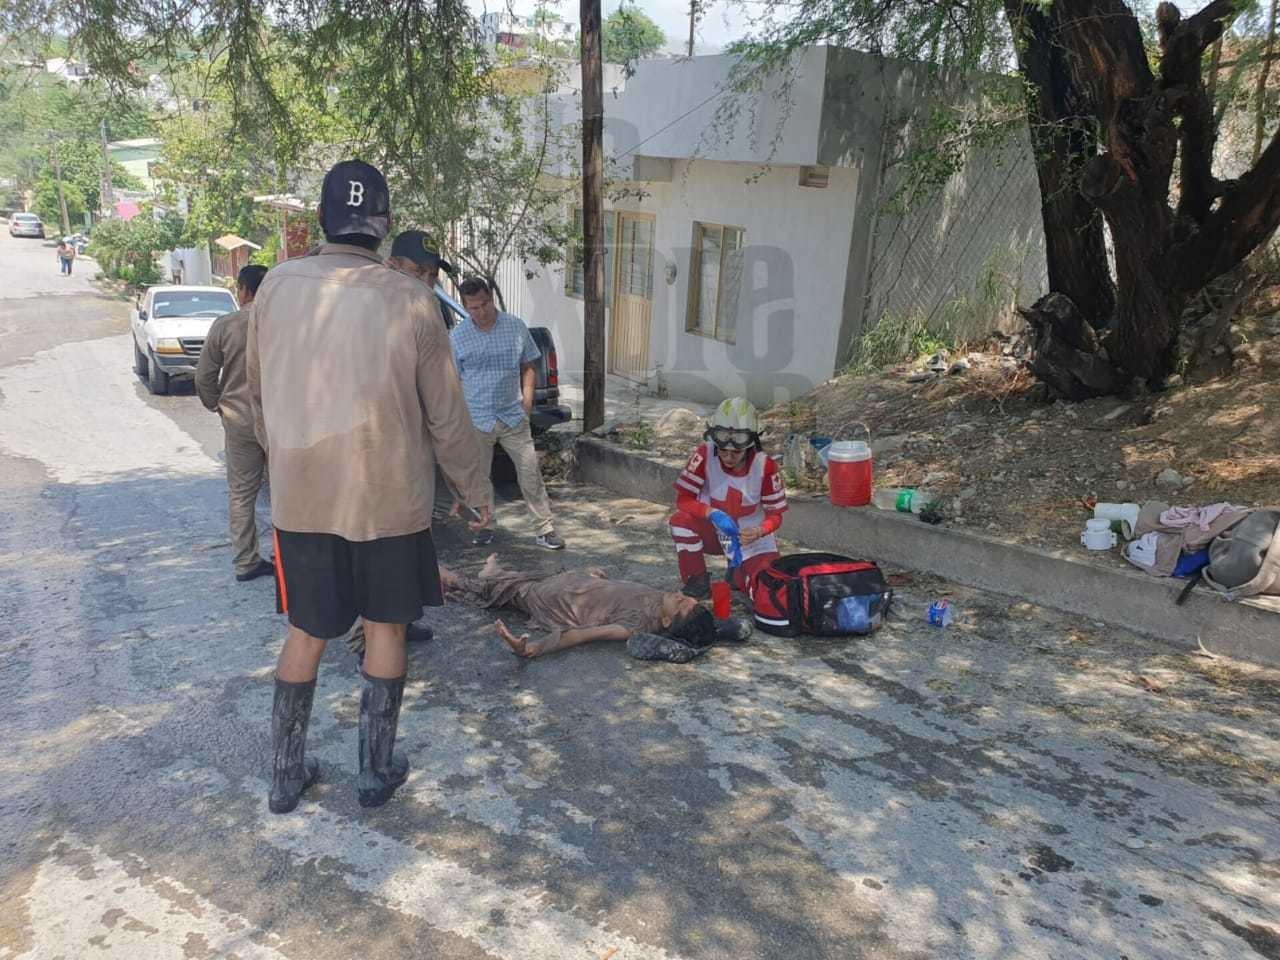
column 354, row 240
column 474, row 287
column 250, row 277
column 697, row 628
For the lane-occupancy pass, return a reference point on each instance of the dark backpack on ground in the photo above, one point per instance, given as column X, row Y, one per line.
column 1244, row 561
column 822, row 594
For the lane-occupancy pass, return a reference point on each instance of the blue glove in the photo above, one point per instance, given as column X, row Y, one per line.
column 727, row 530
column 727, row 526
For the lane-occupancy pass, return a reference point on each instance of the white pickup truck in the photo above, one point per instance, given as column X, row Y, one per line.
column 169, row 328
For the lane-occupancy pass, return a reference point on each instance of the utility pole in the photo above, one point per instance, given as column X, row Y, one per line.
column 592, row 232
column 62, row 198
column 693, row 22
column 104, row 190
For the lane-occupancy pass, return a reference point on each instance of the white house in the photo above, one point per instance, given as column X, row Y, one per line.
column 750, row 257
column 71, row 71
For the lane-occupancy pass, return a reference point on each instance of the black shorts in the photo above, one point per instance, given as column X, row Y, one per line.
column 324, row 582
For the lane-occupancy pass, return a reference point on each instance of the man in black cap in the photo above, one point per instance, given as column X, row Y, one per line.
column 415, row 253
column 355, row 398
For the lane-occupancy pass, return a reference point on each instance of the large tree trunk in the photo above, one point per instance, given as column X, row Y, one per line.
column 1151, row 123
column 1064, row 140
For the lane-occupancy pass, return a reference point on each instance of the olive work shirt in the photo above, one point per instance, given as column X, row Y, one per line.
column 356, row 398
column 573, row 600
column 222, row 383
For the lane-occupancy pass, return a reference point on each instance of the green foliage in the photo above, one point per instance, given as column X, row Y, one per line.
column 295, row 85
column 897, row 338
column 269, row 255
column 628, row 35
column 45, row 203
column 127, row 250
column 39, row 111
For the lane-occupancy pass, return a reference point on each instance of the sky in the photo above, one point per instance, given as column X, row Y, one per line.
column 722, row 23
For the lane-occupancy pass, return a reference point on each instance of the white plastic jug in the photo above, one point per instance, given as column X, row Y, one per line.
column 1125, row 514
column 1098, row 534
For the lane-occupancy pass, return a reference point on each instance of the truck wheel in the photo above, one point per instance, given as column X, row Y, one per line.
column 139, row 361
column 157, row 379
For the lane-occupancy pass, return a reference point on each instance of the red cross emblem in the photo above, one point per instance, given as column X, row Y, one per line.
column 732, row 505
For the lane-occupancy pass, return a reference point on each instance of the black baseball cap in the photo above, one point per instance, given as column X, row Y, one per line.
column 355, row 199
column 417, row 245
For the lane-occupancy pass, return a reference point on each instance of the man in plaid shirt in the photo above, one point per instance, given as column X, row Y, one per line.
column 495, row 355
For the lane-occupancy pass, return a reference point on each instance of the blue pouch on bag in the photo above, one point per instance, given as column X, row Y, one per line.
column 853, row 614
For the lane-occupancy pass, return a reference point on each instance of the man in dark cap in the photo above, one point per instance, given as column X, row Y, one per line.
column 355, row 399
column 415, row 253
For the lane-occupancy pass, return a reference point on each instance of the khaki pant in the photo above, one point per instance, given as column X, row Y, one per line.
column 518, row 442
column 245, row 465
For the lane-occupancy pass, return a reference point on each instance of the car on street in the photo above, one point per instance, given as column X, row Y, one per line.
column 170, row 324
column 26, row 225
column 547, row 409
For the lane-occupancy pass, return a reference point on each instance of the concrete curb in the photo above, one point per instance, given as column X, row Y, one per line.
column 1124, row 598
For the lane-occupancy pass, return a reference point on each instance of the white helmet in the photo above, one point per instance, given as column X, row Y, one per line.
column 735, row 425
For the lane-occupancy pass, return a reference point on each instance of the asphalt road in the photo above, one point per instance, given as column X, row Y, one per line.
column 1006, row 788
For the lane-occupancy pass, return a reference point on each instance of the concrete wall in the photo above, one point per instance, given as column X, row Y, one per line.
column 797, row 242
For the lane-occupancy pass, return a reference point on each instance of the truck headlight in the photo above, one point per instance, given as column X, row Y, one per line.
column 168, row 346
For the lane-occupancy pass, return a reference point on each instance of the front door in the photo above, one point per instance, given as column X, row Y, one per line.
column 632, row 297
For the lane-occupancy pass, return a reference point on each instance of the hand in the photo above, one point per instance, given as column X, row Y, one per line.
column 456, row 510
column 723, row 522
column 749, row 535
column 483, row 518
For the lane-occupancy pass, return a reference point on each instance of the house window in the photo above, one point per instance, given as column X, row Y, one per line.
column 715, row 277
column 817, row 177
column 574, row 279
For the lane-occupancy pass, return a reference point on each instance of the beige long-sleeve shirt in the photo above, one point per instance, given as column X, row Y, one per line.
column 222, row 382
column 355, row 397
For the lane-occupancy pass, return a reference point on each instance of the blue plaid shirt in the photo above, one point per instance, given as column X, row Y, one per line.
column 490, row 366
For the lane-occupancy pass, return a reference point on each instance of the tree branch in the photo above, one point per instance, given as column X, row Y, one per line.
column 1183, row 43
column 1245, row 218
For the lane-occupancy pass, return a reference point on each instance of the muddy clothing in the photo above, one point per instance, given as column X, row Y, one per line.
column 573, row 599
column 222, row 382
column 355, row 395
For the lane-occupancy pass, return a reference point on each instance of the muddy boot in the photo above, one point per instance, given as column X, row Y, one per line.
column 381, row 770
column 291, row 771
column 733, row 630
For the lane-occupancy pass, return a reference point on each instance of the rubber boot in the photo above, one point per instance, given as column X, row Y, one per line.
column 381, row 770
column 291, row 771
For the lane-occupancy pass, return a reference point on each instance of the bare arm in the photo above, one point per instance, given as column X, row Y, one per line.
column 522, row 646
column 528, row 379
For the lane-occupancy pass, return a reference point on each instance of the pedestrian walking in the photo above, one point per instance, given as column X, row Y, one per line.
column 495, row 354
column 223, row 387
column 66, row 254
column 355, row 397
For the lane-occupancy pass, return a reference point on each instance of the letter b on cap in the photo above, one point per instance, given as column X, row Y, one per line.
column 356, row 196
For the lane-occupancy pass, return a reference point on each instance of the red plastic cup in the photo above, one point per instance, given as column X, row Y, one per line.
column 720, row 599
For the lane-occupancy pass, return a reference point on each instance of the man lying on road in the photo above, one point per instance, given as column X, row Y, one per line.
column 579, row 606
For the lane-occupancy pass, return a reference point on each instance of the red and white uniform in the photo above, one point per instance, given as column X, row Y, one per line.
column 754, row 496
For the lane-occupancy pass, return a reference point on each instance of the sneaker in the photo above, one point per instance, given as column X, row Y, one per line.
column 483, row 538
column 652, row 646
column 550, row 541
column 698, row 586
column 263, row 568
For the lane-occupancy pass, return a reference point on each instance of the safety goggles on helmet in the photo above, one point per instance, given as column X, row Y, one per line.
column 730, row 439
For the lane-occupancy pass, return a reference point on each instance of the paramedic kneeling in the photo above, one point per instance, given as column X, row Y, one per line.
column 731, row 473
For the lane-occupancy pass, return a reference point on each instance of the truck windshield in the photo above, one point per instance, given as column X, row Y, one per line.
column 210, row 303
